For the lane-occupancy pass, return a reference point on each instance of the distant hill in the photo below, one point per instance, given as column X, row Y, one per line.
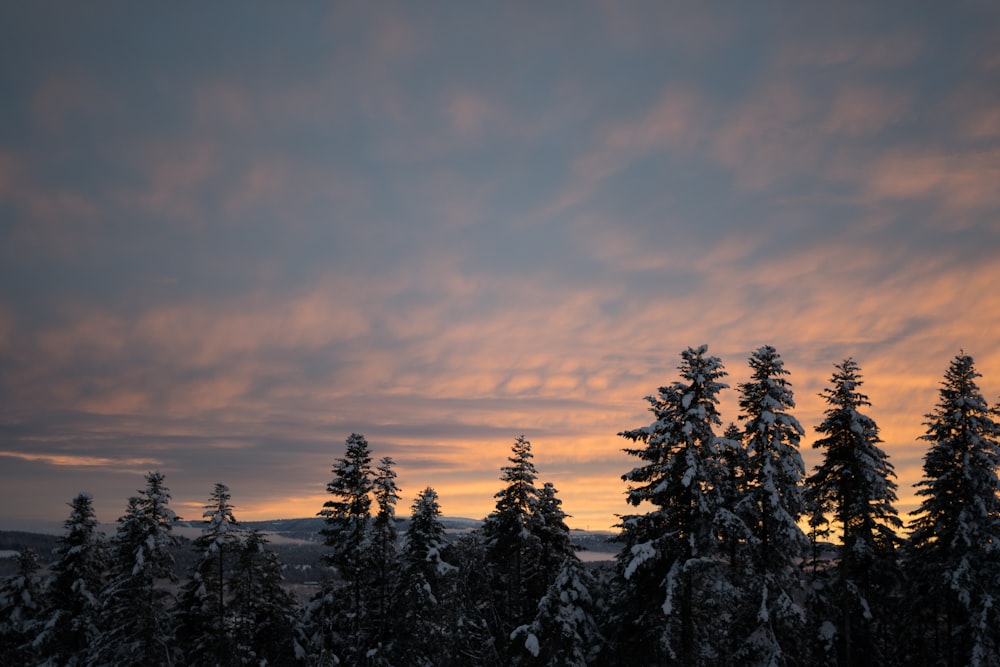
column 298, row 541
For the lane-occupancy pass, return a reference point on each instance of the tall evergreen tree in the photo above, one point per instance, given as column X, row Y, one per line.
column 854, row 486
column 954, row 542
column 135, row 602
column 202, row 609
column 338, row 615
column 72, row 594
column 425, row 583
column 668, row 562
column 771, row 508
column 565, row 628
column 511, row 545
column 474, row 610
column 264, row 615
column 384, row 558
column 554, row 543
column 21, row 612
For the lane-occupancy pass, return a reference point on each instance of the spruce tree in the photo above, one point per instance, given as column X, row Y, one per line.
column 771, row 508
column 383, row 556
column 424, row 588
column 854, row 486
column 511, row 544
column 72, row 595
column 264, row 615
column 21, row 612
column 338, row 615
column 954, row 545
column 669, row 601
column 565, row 628
column 202, row 609
column 554, row 546
column 136, row 600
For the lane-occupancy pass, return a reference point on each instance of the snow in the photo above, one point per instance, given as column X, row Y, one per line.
column 640, row 554
column 531, row 644
column 827, row 632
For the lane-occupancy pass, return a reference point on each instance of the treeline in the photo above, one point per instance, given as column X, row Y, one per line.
column 714, row 569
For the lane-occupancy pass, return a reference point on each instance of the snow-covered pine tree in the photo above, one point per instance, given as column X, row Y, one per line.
column 21, row 612
column 854, row 486
column 668, row 607
column 384, row 559
column 734, row 485
column 135, row 602
column 473, row 608
column 337, row 616
column 771, row 508
column 555, row 545
column 202, row 608
column 425, row 582
column 72, row 593
column 565, row 630
column 954, row 544
column 511, row 545
column 264, row 616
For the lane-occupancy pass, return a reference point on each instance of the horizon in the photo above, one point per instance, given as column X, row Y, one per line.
column 229, row 238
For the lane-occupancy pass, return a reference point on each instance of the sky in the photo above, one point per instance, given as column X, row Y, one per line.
column 234, row 233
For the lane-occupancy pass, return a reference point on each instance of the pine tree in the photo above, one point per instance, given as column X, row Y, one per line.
column 954, row 543
column 338, row 614
column 72, row 595
column 264, row 615
column 668, row 564
column 135, row 602
column 565, row 629
column 202, row 609
column 383, row 558
column 474, row 611
column 555, row 545
column 854, row 486
column 511, row 545
column 425, row 583
column 21, row 612
column 771, row 508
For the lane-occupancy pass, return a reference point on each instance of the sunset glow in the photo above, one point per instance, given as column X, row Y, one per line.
column 230, row 236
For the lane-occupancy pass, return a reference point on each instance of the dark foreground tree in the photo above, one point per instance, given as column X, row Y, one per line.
column 771, row 621
column 264, row 615
column 137, row 629
column 338, row 616
column 854, row 487
column 384, row 560
column 21, row 609
column 72, row 596
column 526, row 541
column 426, row 582
column 511, row 545
column 565, row 630
column 954, row 546
column 673, row 598
column 202, row 609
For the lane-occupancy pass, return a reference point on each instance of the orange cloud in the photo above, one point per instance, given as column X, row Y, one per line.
column 770, row 136
column 87, row 461
column 966, row 181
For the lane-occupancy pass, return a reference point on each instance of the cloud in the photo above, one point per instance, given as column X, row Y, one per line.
column 862, row 110
column 964, row 182
column 63, row 97
column 87, row 461
column 770, row 136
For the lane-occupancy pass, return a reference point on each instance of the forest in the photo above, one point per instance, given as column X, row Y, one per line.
column 734, row 554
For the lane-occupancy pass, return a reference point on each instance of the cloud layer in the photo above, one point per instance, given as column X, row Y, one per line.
column 227, row 243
